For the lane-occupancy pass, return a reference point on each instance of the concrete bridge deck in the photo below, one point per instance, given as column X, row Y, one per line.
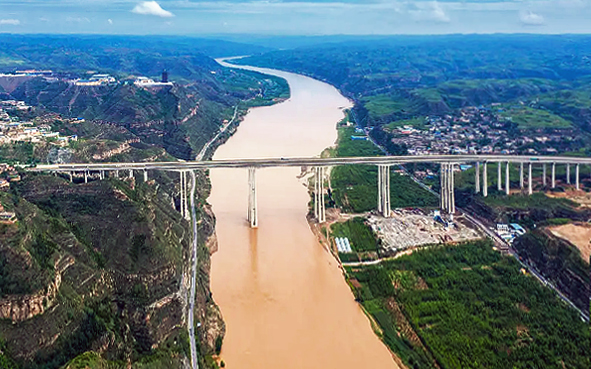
column 309, row 162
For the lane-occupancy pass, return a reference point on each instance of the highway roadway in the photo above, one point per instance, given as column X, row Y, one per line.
column 308, row 162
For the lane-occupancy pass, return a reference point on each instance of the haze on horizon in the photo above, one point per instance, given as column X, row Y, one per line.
column 294, row 17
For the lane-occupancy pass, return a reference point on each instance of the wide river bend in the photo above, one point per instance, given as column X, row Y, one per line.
column 282, row 295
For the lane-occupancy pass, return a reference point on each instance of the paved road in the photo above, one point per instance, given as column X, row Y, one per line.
column 214, row 139
column 191, row 323
column 310, row 162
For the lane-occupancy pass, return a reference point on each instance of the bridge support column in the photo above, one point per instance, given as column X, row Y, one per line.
column 484, row 181
column 71, row 177
column 529, row 180
column 452, row 195
column 319, row 205
column 102, row 175
column 145, row 176
column 384, row 206
column 316, row 191
column 500, row 177
column 117, row 173
column 521, row 175
column 186, row 196
column 442, row 187
column 253, row 219
column 544, row 175
column 447, row 188
column 86, row 177
column 507, row 180
column 577, row 177
column 568, row 173
column 131, row 173
column 553, row 175
column 182, row 193
column 477, row 178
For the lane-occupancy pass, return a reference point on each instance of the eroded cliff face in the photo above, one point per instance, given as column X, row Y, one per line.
column 19, row 308
column 118, row 284
column 208, row 314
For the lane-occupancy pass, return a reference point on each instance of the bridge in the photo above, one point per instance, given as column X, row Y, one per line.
column 447, row 163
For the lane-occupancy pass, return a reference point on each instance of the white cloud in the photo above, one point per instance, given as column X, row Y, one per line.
column 9, row 22
column 530, row 18
column 77, row 20
column 430, row 11
column 151, row 8
column 110, row 21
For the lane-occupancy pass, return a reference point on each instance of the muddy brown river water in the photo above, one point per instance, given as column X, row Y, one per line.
column 282, row 295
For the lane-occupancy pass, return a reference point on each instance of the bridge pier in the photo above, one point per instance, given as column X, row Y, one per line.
column 553, row 175
column 86, row 176
column 131, row 173
column 507, row 180
column 145, row 176
column 568, row 174
column 117, row 173
column 319, row 204
column 384, row 206
column 182, row 193
column 447, row 188
column 186, row 196
column 484, row 181
column 529, row 180
column 71, row 177
column 500, row 177
column 252, row 199
column 577, row 177
column 544, row 175
column 477, row 179
column 102, row 175
column 521, row 175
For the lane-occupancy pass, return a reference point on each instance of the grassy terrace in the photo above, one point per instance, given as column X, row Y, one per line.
column 526, row 117
column 469, row 307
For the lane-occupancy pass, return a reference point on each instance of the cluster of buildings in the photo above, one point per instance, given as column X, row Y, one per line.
column 92, row 81
column 509, row 232
column 478, row 130
column 8, row 175
column 106, row 80
column 12, row 130
column 95, row 80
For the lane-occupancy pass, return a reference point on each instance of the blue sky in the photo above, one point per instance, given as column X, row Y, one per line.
column 307, row 17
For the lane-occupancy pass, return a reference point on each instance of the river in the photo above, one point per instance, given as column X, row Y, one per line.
column 282, row 295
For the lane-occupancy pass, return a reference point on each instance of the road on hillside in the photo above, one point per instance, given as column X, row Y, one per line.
column 191, row 323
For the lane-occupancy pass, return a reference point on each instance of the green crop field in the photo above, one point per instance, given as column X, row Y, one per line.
column 470, row 307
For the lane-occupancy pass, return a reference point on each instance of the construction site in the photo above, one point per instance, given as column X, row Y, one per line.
column 410, row 228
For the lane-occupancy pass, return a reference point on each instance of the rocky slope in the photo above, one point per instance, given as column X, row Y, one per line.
column 112, row 269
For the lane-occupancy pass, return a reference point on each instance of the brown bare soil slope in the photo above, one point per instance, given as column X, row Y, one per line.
column 579, row 234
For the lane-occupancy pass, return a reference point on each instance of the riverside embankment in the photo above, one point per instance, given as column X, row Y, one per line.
column 283, row 296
